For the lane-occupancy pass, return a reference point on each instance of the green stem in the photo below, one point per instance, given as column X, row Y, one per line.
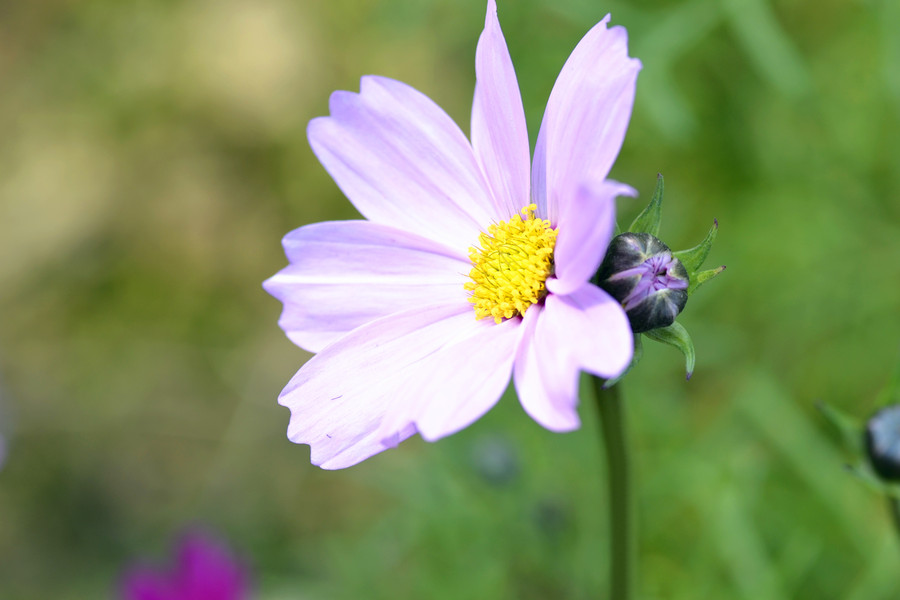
column 612, row 423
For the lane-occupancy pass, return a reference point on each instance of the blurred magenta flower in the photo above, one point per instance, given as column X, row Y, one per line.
column 473, row 265
column 204, row 570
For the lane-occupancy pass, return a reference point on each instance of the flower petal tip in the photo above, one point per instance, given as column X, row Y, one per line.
column 621, row 38
column 491, row 12
column 568, row 425
column 271, row 286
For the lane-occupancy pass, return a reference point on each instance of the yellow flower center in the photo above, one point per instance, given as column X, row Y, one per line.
column 511, row 266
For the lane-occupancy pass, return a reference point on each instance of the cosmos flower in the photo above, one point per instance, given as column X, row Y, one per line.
column 204, row 570
column 470, row 268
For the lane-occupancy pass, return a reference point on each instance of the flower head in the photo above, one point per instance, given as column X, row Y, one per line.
column 474, row 263
column 204, row 570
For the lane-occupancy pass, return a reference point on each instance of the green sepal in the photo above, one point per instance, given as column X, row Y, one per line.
column 648, row 220
column 698, row 279
column 864, row 473
column 676, row 335
column 850, row 429
column 692, row 259
column 635, row 359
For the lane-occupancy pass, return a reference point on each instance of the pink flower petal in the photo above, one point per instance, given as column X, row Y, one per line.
column 402, row 161
column 586, row 225
column 459, row 383
column 395, row 370
column 586, row 330
column 547, row 385
column 344, row 274
column 587, row 327
column 499, row 134
column 586, row 117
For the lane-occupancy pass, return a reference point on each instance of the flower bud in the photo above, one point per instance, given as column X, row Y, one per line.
column 642, row 274
column 883, row 442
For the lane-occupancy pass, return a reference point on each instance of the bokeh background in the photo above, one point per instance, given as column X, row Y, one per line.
column 153, row 154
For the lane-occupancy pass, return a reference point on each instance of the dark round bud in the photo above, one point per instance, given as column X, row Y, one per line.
column 883, row 442
column 640, row 272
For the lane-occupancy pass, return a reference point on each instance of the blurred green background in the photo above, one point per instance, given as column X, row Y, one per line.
column 153, row 154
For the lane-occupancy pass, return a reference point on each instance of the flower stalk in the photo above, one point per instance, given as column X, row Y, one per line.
column 611, row 412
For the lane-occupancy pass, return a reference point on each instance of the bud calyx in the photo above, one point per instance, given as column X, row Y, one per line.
column 652, row 282
column 642, row 274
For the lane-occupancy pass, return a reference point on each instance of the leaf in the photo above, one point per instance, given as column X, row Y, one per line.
column 768, row 46
column 849, row 428
column 865, row 474
column 649, row 219
column 676, row 335
column 698, row 279
column 693, row 258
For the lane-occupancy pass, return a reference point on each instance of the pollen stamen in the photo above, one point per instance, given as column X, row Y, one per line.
column 511, row 266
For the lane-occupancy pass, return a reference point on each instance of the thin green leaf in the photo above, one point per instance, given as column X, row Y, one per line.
column 865, row 474
column 676, row 335
column 649, row 219
column 692, row 259
column 768, row 46
column 849, row 428
column 698, row 279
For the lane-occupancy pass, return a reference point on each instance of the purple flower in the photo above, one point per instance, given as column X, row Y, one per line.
column 471, row 266
column 204, row 570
